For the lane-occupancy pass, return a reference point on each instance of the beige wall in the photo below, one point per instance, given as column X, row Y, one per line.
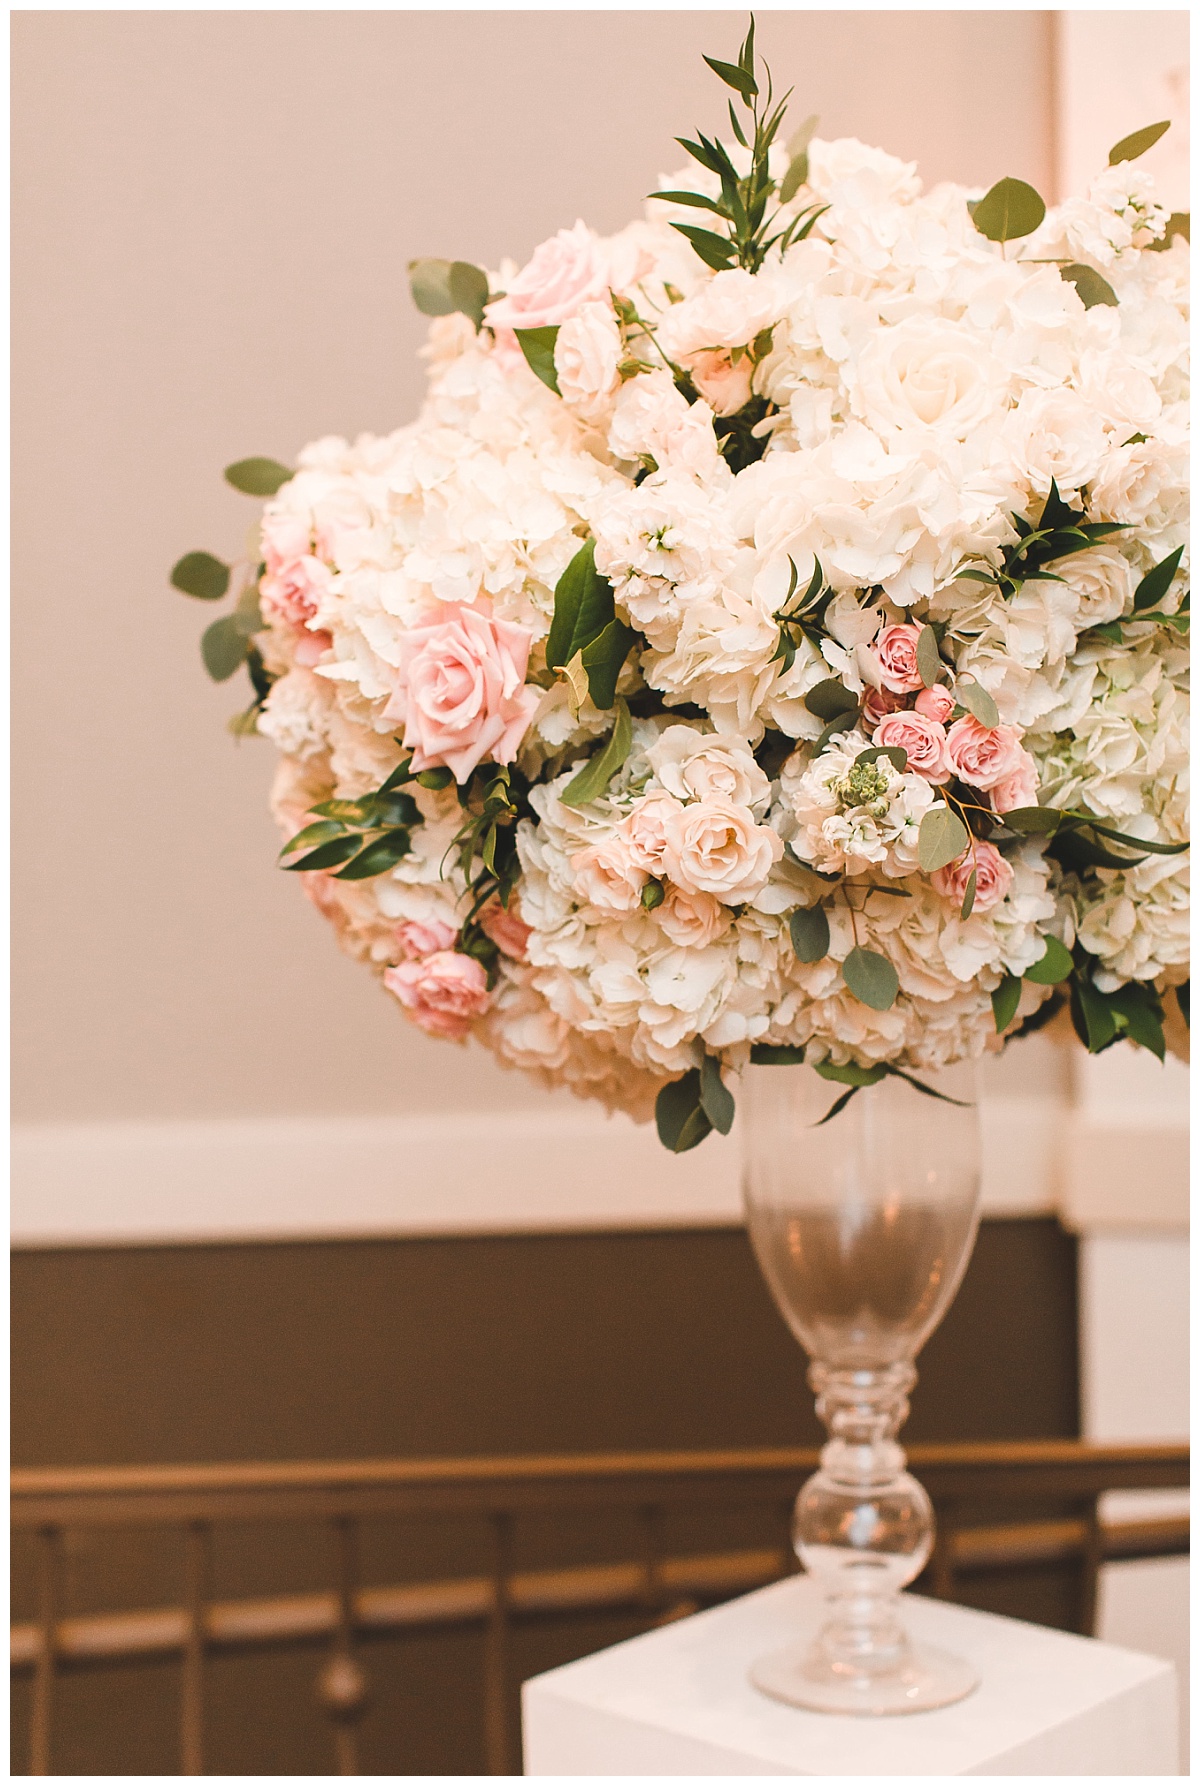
column 213, row 212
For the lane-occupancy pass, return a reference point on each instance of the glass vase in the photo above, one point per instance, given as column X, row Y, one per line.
column 862, row 1225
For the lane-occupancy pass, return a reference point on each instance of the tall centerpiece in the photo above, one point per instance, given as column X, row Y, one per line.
column 767, row 646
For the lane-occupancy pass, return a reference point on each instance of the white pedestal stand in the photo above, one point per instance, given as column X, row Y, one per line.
column 678, row 1701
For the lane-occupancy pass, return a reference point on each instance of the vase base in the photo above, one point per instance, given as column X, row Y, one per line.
column 803, row 1675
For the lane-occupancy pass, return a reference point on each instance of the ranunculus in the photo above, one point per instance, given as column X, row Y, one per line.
column 1018, row 788
column 993, row 877
column 461, row 691
column 924, row 740
column 895, row 651
column 295, row 589
column 505, row 927
column 443, row 993
column 586, row 355
column 722, row 851
column 607, row 876
column 983, row 756
column 424, row 936
column 691, row 920
column 561, row 276
column 935, row 703
column 651, row 830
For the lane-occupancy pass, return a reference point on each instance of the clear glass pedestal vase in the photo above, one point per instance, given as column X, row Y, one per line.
column 863, row 1226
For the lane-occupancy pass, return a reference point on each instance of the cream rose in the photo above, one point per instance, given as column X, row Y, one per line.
column 562, row 275
column 460, row 691
column 607, row 876
column 691, row 920
column 651, row 831
column 723, row 852
column 698, row 765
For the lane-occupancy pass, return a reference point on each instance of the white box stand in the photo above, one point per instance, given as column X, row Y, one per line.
column 678, row 1701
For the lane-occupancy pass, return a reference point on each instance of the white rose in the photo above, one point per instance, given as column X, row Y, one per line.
column 928, row 374
column 652, row 419
column 729, row 311
column 722, row 851
column 1055, row 435
column 586, row 355
column 698, row 766
column 1102, row 582
column 1145, row 481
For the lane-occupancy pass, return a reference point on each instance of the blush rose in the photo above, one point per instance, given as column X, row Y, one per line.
column 506, row 928
column 935, row 703
column 461, row 691
column 923, row 739
column 421, row 937
column 993, row 878
column 720, row 850
column 895, row 651
column 443, row 993
column 983, row 756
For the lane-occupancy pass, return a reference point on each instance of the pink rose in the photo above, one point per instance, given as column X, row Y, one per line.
column 293, row 592
column 878, row 703
column 720, row 850
column 506, row 928
column 421, row 937
column 607, row 876
column 982, row 755
column 993, row 878
column 562, row 275
column 1018, row 788
column 285, row 536
column 935, row 703
column 461, row 691
column 691, row 920
column 652, row 831
column 725, row 384
column 924, row 740
column 895, row 651
column 442, row 994
column 311, row 647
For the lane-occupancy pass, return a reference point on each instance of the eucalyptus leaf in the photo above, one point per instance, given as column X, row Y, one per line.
column 976, row 699
column 968, row 904
column 201, row 575
column 1005, row 1000
column 1088, row 283
column 1011, row 209
column 1156, row 582
column 223, row 648
column 809, row 929
column 1033, row 821
column 871, row 978
column 830, row 699
column 795, row 178
column 1179, row 223
column 716, row 1099
column 538, row 347
column 1130, row 147
column 942, row 838
column 469, row 290
column 247, row 616
column 1055, row 966
column 851, row 1073
column 595, row 776
column 258, row 477
column 929, row 658
column 895, row 754
column 429, row 282
column 678, row 1114
column 775, row 1054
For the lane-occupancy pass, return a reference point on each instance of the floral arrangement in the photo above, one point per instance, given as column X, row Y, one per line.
column 770, row 639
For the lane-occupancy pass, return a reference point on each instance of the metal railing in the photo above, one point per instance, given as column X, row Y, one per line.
column 1020, row 1478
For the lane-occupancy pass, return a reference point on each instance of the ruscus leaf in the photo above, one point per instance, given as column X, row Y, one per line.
column 1011, row 209
column 201, row 575
column 871, row 978
column 1156, row 582
column 809, row 929
column 258, row 477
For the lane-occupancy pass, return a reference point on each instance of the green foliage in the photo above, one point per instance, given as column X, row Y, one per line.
column 1179, row 223
column 896, row 755
column 775, row 1054
column 1133, row 1013
column 1157, row 582
column 830, row 698
column 1130, row 147
column 809, row 930
column 223, row 648
column 851, row 1073
column 362, row 837
column 1059, row 532
column 440, row 287
column 1005, row 1000
column 871, row 978
column 797, row 174
column 1033, row 821
column 1010, row 210
column 679, row 1114
column 1053, row 967
column 201, row 575
column 585, row 623
column 595, row 776
column 716, row 1099
column 942, row 838
column 802, row 616
column 1089, row 284
column 968, row 904
column 653, row 894
column 538, row 347
column 258, row 477
column 1183, row 998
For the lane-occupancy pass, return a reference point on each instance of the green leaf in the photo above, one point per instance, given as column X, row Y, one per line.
column 716, row 1099
column 595, row 776
column 1005, row 1000
column 1093, row 1016
column 326, row 855
column 976, row 699
column 201, row 575
column 1054, row 967
column 842, row 722
column 836, row 1108
column 738, row 78
column 942, row 838
column 1155, row 584
column 469, row 290
column 927, row 1090
column 715, row 251
column 258, row 477
column 538, row 347
column 895, row 754
column 379, row 856
column 1033, row 821
column 223, row 648
column 775, row 1054
column 1179, row 223
column 1010, row 210
column 247, row 616
column 324, row 831
column 1138, row 1005
column 968, row 904
column 440, row 287
column 1134, row 843
column 929, row 658
column 1130, row 147
column 603, row 660
column 583, row 608
column 871, row 978
column 1088, row 283
column 695, row 199
column 795, row 178
column 433, row 779
column 1183, row 998
column 809, row 927
column 678, row 1114
column 830, row 699
column 851, row 1073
